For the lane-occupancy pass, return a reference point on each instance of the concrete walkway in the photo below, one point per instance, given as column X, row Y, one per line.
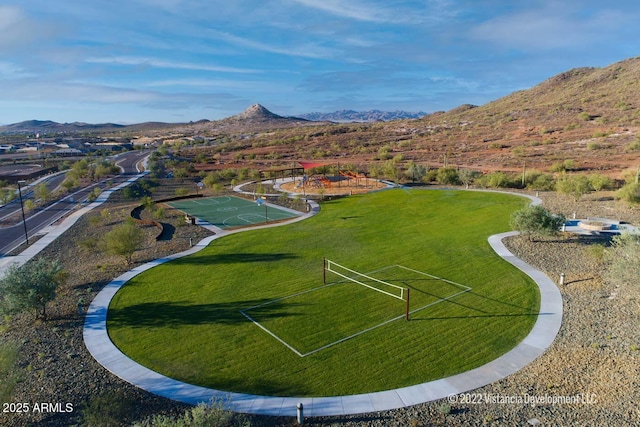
column 535, row 344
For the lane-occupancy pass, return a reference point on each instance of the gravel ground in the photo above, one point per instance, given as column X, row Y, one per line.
column 595, row 355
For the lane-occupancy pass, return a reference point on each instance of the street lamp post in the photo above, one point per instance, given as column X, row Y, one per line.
column 24, row 220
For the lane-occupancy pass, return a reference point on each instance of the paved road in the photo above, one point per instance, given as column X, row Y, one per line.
column 13, row 236
column 13, row 207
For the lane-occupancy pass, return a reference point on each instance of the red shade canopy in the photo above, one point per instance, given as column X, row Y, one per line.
column 311, row 165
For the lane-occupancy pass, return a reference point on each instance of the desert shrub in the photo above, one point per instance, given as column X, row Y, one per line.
column 622, row 259
column 124, row 240
column 540, row 181
column 499, row 180
column 596, row 252
column 569, row 164
column 9, row 373
column 584, row 116
column 159, row 213
column 633, row 146
column 106, row 409
column 536, row 220
column 384, row 153
column 202, row 415
column 430, row 176
column 600, row 182
column 630, row 193
column 447, row 176
column 519, row 151
column 182, row 191
column 93, row 195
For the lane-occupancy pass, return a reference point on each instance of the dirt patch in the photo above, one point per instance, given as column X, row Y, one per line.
column 334, row 186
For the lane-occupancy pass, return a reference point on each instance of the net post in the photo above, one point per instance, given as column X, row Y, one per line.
column 406, row 313
column 324, row 271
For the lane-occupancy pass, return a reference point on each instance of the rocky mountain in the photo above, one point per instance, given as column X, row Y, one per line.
column 257, row 112
column 361, row 116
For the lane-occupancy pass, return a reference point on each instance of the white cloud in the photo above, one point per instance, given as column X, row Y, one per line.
column 307, row 50
column 384, row 12
column 9, row 70
column 158, row 63
column 351, row 9
column 548, row 28
column 18, row 29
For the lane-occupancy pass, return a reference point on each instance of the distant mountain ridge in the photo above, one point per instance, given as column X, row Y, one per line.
column 361, row 116
column 30, row 126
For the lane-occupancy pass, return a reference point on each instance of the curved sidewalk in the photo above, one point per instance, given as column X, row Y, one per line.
column 535, row 344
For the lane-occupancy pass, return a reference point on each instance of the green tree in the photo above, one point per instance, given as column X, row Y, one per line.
column 7, row 195
column 415, row 172
column 80, row 168
column 536, row 220
column 600, row 182
column 124, row 240
column 573, row 185
column 467, row 176
column 392, row 171
column 42, row 191
column 31, row 286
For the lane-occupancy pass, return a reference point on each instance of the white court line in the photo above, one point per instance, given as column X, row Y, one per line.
column 364, row 331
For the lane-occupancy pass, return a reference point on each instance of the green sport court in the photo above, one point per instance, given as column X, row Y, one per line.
column 230, row 212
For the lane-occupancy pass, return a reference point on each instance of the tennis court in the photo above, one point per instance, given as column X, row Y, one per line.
column 229, row 212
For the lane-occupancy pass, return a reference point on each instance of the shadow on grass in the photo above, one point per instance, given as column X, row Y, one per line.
column 252, row 386
column 239, row 258
column 478, row 316
column 170, row 314
column 418, row 285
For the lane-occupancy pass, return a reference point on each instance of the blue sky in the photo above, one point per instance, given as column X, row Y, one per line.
column 128, row 61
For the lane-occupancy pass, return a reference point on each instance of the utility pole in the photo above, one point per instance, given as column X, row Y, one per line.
column 24, row 220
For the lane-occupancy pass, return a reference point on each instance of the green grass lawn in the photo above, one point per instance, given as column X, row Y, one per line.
column 185, row 318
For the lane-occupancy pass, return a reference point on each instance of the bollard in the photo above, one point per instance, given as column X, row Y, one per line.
column 562, row 278
column 564, row 227
column 190, row 242
column 300, row 413
column 574, row 215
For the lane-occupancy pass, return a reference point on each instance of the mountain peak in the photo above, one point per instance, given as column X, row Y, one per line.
column 257, row 111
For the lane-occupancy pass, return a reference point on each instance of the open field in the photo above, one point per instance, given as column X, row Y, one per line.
column 184, row 319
